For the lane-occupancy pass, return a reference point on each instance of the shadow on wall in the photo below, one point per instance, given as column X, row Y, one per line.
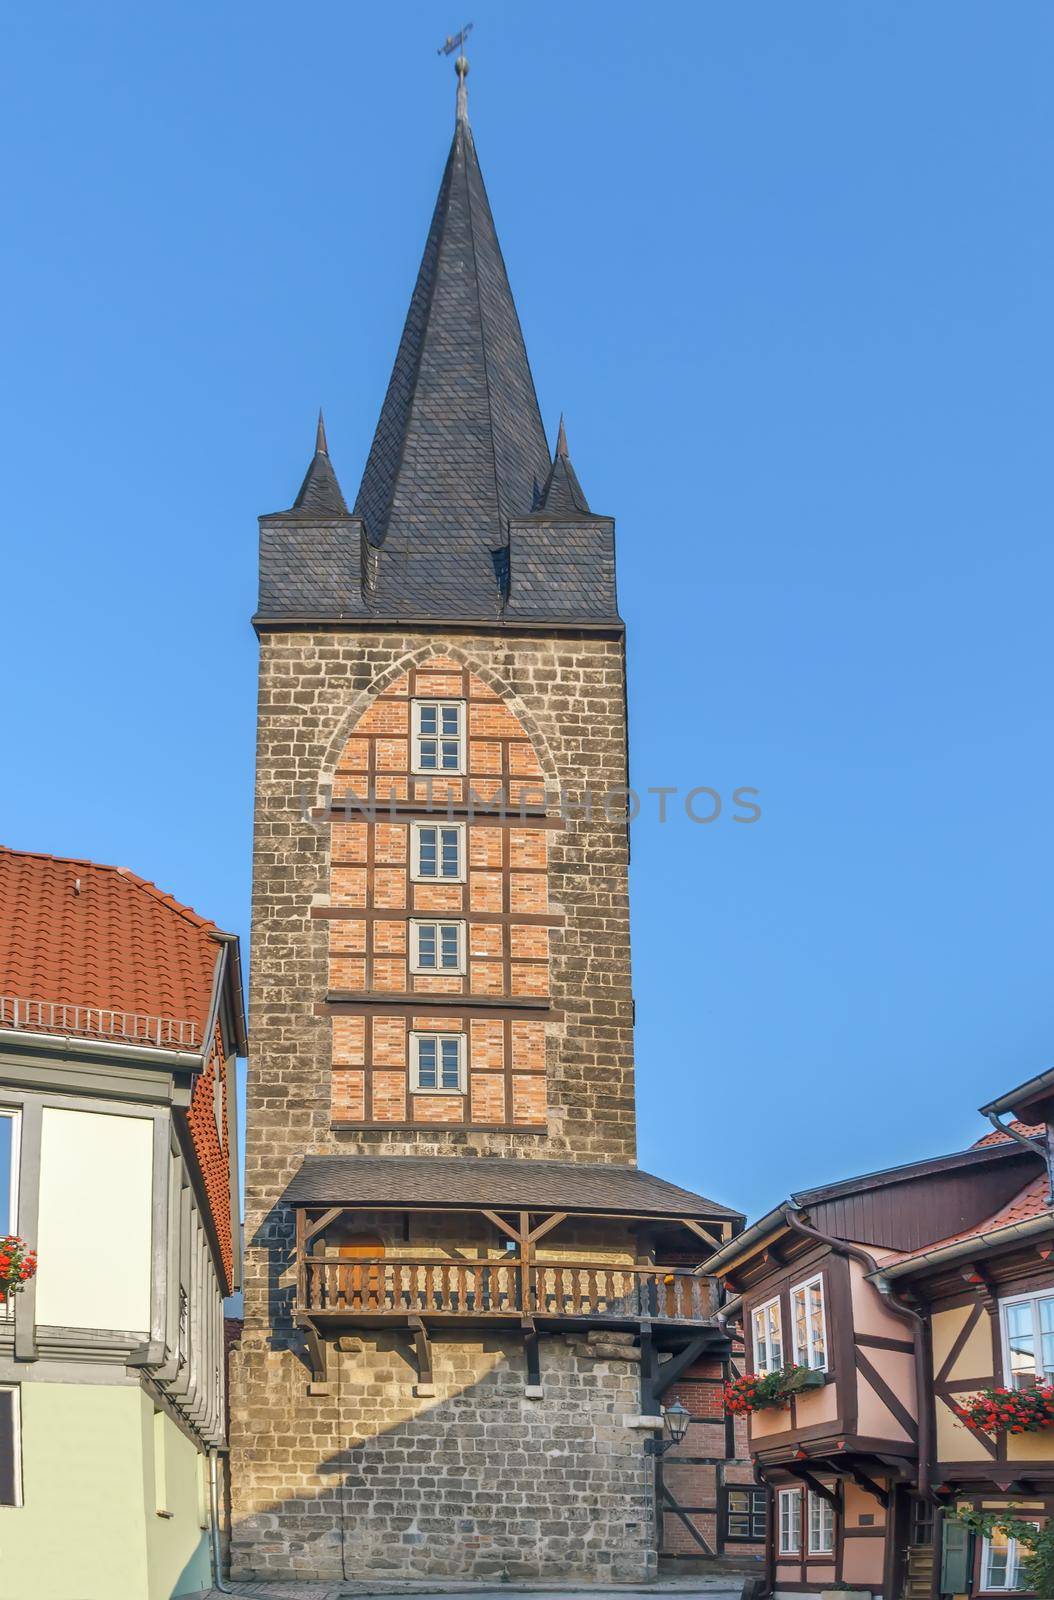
column 478, row 1481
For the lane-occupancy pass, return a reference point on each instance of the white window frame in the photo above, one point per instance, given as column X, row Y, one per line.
column 416, row 1087
column 767, row 1365
column 15, row 1390
column 789, row 1522
column 417, row 736
column 816, row 1281
column 416, row 830
column 1013, row 1562
column 416, row 924
column 1037, row 1334
column 14, row 1116
column 822, row 1525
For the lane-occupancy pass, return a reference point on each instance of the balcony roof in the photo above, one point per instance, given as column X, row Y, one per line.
column 398, row 1183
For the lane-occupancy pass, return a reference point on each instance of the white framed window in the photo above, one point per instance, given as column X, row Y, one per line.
column 439, row 736
column 821, row 1525
column 1001, row 1562
column 1028, row 1339
column 10, row 1445
column 10, row 1130
column 790, row 1522
column 437, row 1063
column 768, row 1337
column 437, row 947
column 437, row 852
column 809, row 1324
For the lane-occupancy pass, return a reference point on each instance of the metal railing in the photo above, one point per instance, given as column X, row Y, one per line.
column 580, row 1289
column 56, row 1016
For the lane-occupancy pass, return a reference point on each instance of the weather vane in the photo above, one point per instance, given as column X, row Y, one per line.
column 454, row 41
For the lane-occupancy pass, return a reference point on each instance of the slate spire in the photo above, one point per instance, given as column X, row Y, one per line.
column 563, row 492
column 459, row 447
column 320, row 494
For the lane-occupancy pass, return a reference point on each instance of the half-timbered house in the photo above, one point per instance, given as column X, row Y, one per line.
column 884, row 1301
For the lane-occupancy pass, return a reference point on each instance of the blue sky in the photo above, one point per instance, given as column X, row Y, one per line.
column 786, row 269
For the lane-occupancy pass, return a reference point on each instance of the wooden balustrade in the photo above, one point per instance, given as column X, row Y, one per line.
column 587, row 1290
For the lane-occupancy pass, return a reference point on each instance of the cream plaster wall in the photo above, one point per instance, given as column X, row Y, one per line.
column 95, row 1221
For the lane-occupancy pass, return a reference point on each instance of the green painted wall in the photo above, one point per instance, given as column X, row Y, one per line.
column 88, row 1528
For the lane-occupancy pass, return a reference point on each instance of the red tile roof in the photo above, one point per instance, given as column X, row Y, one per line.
column 1030, row 1129
column 85, row 934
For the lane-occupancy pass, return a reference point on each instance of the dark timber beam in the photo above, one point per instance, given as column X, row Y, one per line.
column 649, row 1373
column 814, row 1483
column 669, row 1371
column 530, row 1353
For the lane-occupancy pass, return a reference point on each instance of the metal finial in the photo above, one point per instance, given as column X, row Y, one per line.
column 321, row 447
column 461, row 68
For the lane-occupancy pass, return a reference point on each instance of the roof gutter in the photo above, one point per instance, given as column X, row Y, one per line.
column 967, row 1249
column 1024, row 1092
column 743, row 1243
column 73, row 1044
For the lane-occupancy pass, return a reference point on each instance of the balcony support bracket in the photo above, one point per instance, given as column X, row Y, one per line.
column 423, row 1351
column 317, row 1350
column 669, row 1371
column 530, row 1354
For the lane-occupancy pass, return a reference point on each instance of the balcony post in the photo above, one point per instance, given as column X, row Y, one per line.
column 525, row 1263
column 301, row 1260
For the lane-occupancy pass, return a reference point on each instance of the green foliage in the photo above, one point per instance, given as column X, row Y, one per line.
column 1036, row 1542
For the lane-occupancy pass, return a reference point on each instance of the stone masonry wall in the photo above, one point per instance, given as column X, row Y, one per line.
column 477, row 1482
column 578, row 1469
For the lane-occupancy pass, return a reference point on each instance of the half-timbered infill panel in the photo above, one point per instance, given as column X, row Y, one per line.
column 439, row 916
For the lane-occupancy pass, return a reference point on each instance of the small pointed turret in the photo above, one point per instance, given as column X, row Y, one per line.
column 563, row 492
column 320, row 494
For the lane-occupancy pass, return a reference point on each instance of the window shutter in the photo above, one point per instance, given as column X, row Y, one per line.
column 956, row 1551
column 8, row 1446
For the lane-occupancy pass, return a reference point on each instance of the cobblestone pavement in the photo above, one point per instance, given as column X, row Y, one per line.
column 719, row 1587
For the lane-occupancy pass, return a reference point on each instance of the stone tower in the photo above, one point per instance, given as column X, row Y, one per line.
column 460, row 1290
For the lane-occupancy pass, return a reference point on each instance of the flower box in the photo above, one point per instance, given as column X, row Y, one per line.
column 1000, row 1410
column 771, row 1390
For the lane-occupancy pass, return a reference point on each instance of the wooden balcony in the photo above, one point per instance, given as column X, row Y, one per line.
column 379, row 1291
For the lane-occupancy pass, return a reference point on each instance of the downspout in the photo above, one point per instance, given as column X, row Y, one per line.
column 219, row 1582
column 919, row 1333
column 1039, row 1147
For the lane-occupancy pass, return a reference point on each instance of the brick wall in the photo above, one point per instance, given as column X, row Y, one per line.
column 499, row 900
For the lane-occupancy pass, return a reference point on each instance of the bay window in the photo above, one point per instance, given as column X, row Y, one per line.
column 809, row 1324
column 768, row 1337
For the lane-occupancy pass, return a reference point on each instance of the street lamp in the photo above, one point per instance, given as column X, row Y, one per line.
column 675, row 1420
